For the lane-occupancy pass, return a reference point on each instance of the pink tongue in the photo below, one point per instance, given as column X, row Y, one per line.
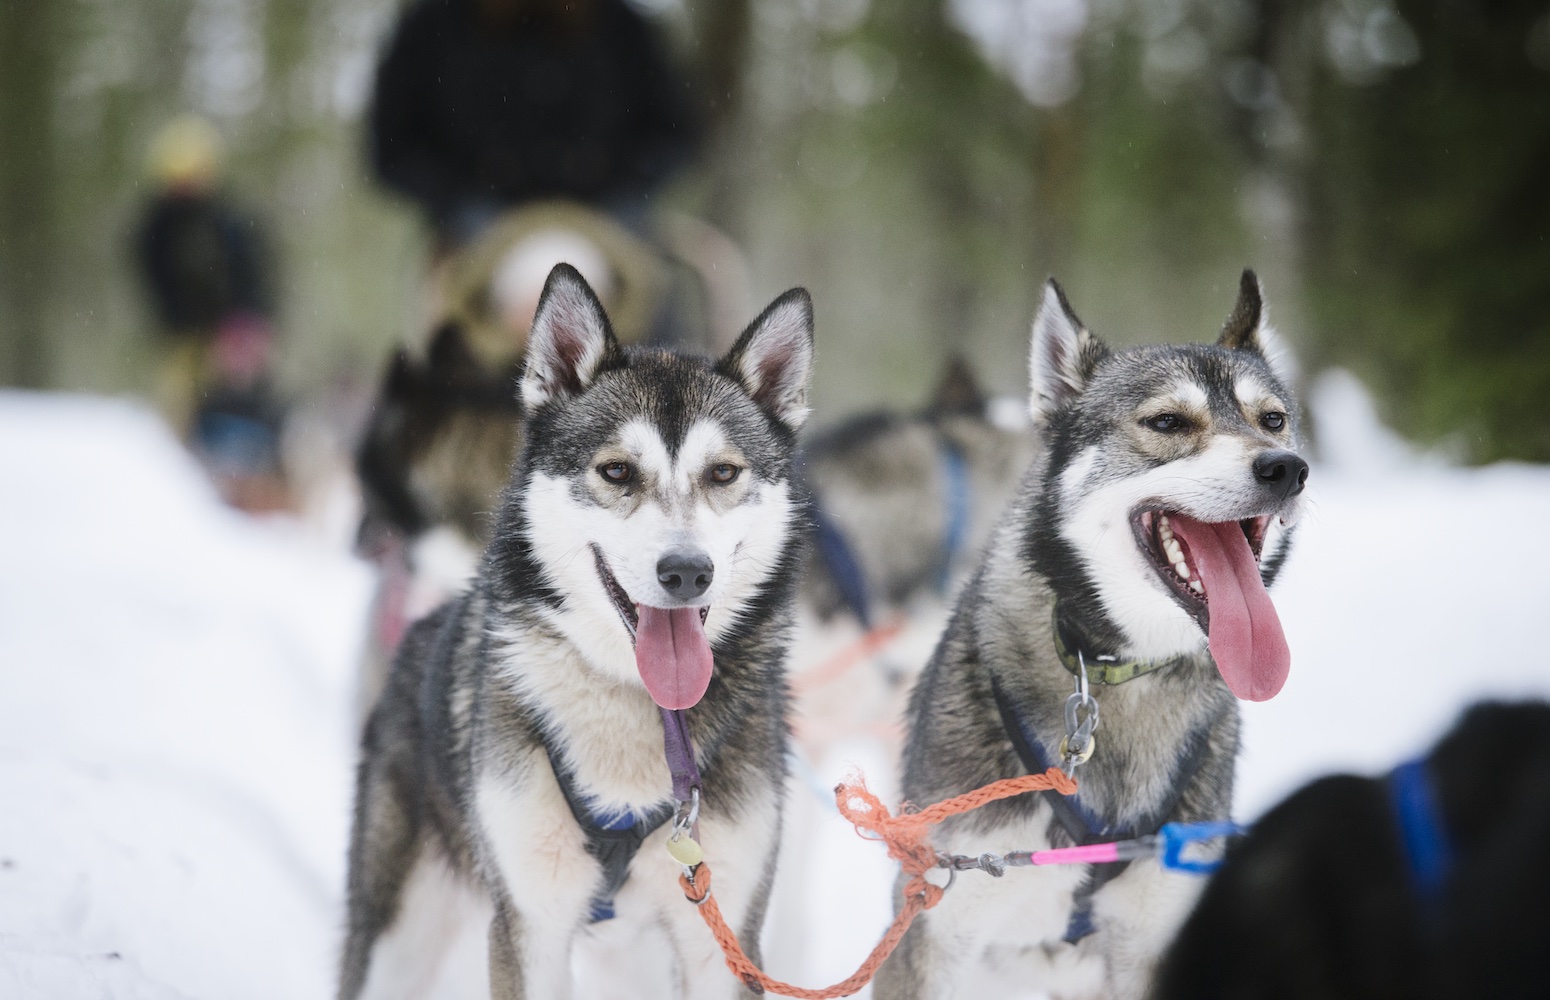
column 673, row 655
column 1245, row 634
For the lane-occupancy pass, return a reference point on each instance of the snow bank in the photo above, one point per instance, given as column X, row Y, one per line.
column 174, row 683
column 1413, row 590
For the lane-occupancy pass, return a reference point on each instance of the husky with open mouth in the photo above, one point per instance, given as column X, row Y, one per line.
column 1157, row 509
column 638, row 581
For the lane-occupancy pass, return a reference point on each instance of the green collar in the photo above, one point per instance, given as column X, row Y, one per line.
column 1102, row 669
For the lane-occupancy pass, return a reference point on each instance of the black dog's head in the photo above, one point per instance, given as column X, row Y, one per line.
column 1319, row 900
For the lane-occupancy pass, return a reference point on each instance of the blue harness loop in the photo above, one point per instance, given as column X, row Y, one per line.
column 1423, row 836
column 843, row 566
column 955, row 475
column 1177, row 836
column 614, row 837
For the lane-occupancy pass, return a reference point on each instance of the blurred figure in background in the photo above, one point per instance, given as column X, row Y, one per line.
column 482, row 105
column 206, row 268
column 530, row 133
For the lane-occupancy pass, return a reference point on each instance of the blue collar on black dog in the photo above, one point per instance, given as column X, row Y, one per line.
column 1423, row 836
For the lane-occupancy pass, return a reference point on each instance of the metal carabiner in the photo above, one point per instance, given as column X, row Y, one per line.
column 1081, row 712
column 687, row 815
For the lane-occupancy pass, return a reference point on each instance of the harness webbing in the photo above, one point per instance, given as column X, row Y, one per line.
column 844, row 569
column 955, row 472
column 1081, row 824
column 613, row 838
column 1423, row 835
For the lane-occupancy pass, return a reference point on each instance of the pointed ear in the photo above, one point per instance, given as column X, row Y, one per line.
column 569, row 341
column 1062, row 356
column 1248, row 329
column 958, row 391
column 1241, row 331
column 773, row 359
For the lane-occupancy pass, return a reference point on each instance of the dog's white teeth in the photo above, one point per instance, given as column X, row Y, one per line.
column 1196, row 587
column 1164, row 531
column 1182, row 568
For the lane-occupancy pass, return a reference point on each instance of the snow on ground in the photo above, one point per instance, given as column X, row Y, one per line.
column 175, row 699
column 174, row 679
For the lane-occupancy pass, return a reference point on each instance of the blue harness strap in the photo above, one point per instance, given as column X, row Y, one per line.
column 1080, row 823
column 613, row 837
column 1423, row 836
column 843, row 566
column 839, row 557
column 956, row 504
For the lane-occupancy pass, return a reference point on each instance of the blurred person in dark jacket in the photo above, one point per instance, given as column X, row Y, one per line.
column 205, row 266
column 529, row 132
column 483, row 105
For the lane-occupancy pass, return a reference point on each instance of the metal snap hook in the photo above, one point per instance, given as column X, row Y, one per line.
column 688, row 814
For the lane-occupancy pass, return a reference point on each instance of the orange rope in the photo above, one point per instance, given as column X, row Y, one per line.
column 906, row 837
column 859, row 651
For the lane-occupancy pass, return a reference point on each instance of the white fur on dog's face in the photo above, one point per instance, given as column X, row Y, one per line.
column 1216, row 484
column 1102, row 491
column 741, row 526
column 1103, row 407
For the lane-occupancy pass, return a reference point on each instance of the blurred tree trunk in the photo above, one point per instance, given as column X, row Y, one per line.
column 721, row 28
column 29, row 57
column 1429, row 205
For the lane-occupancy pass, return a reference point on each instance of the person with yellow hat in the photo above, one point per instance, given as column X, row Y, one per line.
column 205, row 267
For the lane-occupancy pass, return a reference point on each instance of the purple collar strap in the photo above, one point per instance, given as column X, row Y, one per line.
column 680, row 754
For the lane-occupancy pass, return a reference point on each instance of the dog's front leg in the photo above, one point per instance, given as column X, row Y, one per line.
column 540, row 879
column 741, row 853
column 528, row 960
column 1138, row 914
column 908, row 970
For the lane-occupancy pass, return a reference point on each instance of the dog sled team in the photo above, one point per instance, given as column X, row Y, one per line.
column 602, row 715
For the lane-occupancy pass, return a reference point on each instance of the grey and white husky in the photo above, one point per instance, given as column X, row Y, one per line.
column 1156, row 511
column 642, row 562
column 904, row 501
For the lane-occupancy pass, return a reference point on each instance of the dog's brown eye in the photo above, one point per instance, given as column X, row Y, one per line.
column 1273, row 421
column 1167, row 423
column 616, row 472
column 723, row 473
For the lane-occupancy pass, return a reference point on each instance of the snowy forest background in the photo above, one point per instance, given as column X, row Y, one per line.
column 920, row 164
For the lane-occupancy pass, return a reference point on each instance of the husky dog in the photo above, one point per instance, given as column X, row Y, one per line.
column 1138, row 550
column 906, row 500
column 1430, row 882
column 435, row 453
column 641, row 564
column 442, row 436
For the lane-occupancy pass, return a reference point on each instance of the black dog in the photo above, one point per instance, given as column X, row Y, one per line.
column 1433, row 882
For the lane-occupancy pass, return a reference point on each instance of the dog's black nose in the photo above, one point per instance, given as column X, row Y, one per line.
column 685, row 574
column 1282, row 472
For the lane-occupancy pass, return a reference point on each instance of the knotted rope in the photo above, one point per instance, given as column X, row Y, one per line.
column 908, row 843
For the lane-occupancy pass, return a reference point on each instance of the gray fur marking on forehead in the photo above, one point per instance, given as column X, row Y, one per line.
column 1139, row 373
